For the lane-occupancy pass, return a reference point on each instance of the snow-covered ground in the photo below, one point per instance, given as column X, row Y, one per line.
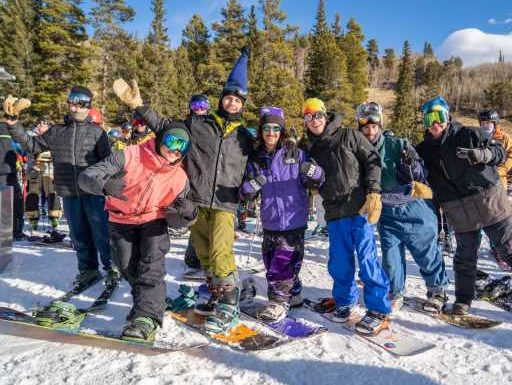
column 39, row 274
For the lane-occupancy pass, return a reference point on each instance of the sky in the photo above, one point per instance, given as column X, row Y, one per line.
column 472, row 29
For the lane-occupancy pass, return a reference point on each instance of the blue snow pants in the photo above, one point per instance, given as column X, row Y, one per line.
column 347, row 235
column 413, row 226
column 88, row 230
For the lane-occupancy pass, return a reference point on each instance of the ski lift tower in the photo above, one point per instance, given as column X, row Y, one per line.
column 6, row 202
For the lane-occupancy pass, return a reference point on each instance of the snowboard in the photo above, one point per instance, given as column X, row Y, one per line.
column 243, row 336
column 101, row 301
column 394, row 340
column 462, row 321
column 19, row 324
column 289, row 326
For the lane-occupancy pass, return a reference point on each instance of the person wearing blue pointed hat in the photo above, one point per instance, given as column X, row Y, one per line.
column 215, row 166
column 461, row 163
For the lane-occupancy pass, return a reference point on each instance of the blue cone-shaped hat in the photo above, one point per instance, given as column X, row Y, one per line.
column 237, row 79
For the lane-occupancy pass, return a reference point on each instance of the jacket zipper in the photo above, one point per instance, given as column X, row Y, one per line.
column 216, row 168
column 74, row 160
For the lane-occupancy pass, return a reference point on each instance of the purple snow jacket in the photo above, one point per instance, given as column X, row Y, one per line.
column 284, row 198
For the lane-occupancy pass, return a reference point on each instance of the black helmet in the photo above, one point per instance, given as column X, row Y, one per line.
column 490, row 115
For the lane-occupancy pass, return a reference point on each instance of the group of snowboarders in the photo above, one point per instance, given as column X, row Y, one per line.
column 194, row 173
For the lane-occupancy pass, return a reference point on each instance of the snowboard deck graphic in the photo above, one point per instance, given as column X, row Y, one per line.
column 19, row 324
column 240, row 337
column 462, row 321
column 394, row 340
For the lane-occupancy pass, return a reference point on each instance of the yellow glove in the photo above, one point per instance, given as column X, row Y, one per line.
column 421, row 191
column 13, row 106
column 128, row 94
column 372, row 206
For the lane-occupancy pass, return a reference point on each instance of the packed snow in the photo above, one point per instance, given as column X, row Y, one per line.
column 39, row 274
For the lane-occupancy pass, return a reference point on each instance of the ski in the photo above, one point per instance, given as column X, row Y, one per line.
column 394, row 340
column 19, row 324
column 462, row 321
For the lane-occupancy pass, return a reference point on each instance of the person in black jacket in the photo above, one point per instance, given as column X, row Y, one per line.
column 215, row 166
column 75, row 145
column 461, row 163
column 351, row 198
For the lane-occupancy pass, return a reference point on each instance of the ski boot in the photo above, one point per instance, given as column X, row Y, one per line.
column 140, row 330
column 86, row 278
column 60, row 315
column 341, row 314
column 435, row 301
column 273, row 311
column 227, row 312
column 372, row 323
column 186, row 299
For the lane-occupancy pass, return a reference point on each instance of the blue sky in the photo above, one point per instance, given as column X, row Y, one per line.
column 388, row 21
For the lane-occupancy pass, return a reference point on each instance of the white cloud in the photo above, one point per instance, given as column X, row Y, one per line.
column 476, row 47
column 492, row 21
column 509, row 20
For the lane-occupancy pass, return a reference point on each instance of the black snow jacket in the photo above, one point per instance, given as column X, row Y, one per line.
column 74, row 147
column 352, row 168
column 7, row 155
column 216, row 162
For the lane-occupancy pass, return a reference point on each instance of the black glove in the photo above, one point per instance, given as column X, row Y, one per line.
column 308, row 169
column 114, row 187
column 474, row 155
column 182, row 213
column 258, row 182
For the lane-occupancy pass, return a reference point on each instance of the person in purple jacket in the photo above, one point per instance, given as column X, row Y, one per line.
column 282, row 174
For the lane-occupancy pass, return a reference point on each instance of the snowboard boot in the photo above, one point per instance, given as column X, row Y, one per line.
column 458, row 308
column 296, row 301
column 186, row 300
column 54, row 237
column 372, row 323
column 248, row 291
column 191, row 259
column 227, row 312
column 341, row 314
column 60, row 315
column 435, row 301
column 113, row 276
column 86, row 278
column 140, row 330
column 207, row 307
column 273, row 311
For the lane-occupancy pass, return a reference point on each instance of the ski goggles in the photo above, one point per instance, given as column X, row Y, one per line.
column 175, row 143
column 373, row 118
column 316, row 115
column 198, row 105
column 127, row 127
column 271, row 127
column 434, row 117
column 79, row 99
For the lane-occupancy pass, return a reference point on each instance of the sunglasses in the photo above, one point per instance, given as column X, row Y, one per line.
column 317, row 115
column 271, row 127
column 434, row 117
column 174, row 143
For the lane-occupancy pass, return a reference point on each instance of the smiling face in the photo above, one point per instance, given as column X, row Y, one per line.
column 371, row 132
column 437, row 129
column 232, row 104
column 271, row 133
column 169, row 155
column 316, row 123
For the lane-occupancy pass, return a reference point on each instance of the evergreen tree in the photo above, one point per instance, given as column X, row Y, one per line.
column 158, row 34
column 59, row 44
column 404, row 110
column 109, row 38
column 501, row 57
column 372, row 51
column 389, row 60
column 326, row 74
column 230, row 35
column 336, row 28
column 433, row 80
column 428, row 51
column 17, row 27
column 276, row 82
column 357, row 58
column 196, row 40
column 185, row 82
column 499, row 95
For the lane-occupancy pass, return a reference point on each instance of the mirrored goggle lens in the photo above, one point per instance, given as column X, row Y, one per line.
column 434, row 117
column 369, row 119
column 199, row 105
column 271, row 127
column 316, row 115
column 79, row 99
column 174, row 143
